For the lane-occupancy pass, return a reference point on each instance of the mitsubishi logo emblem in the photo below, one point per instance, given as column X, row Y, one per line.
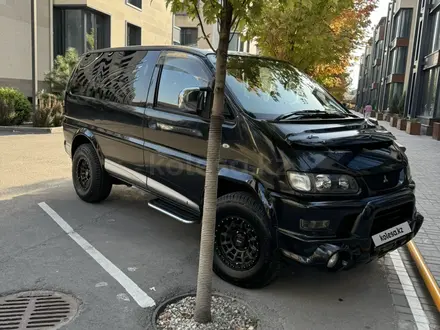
column 385, row 180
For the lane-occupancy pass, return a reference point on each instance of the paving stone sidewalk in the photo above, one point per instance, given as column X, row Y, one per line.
column 424, row 156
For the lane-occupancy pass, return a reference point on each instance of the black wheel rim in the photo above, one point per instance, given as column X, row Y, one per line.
column 237, row 243
column 83, row 173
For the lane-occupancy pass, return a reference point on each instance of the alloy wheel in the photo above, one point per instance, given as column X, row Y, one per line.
column 83, row 173
column 237, row 243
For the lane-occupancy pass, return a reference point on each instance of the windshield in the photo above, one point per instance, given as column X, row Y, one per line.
column 267, row 88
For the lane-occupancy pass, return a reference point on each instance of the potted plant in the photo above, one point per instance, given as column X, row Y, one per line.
column 401, row 124
column 393, row 120
column 394, row 110
column 413, row 126
column 436, row 131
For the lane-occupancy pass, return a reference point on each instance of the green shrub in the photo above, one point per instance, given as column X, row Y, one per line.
column 16, row 103
column 7, row 113
column 49, row 111
column 62, row 69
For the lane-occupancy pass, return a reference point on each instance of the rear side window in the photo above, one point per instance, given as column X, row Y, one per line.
column 121, row 77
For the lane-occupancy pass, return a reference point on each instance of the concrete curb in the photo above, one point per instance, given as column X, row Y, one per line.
column 31, row 130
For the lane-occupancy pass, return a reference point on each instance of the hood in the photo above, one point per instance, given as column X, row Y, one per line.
column 349, row 145
column 332, row 133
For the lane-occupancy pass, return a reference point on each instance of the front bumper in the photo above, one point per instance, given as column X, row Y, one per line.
column 352, row 225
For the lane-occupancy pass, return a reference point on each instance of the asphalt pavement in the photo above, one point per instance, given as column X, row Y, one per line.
column 132, row 244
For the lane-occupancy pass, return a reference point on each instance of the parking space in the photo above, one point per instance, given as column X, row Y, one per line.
column 160, row 256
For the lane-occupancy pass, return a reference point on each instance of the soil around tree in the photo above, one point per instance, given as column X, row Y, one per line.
column 227, row 314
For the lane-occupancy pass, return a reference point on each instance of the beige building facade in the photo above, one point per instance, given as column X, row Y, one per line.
column 81, row 24
column 15, row 38
column 188, row 32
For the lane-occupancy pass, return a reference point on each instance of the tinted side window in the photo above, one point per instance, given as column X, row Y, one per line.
column 82, row 78
column 180, row 71
column 121, row 77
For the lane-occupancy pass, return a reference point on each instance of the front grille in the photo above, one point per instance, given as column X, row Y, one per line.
column 384, row 181
column 391, row 217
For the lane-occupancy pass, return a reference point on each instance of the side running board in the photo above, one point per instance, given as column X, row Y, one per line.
column 175, row 211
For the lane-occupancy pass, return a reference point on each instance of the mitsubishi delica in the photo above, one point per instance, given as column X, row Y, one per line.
column 301, row 177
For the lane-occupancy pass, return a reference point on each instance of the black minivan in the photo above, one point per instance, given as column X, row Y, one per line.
column 301, row 177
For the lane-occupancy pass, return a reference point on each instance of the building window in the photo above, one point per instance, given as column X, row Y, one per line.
column 82, row 29
column 379, row 49
column 434, row 33
column 430, row 88
column 134, row 35
column 135, row 3
column 97, row 34
column 394, row 93
column 418, row 38
column 234, row 42
column 398, row 60
column 402, row 24
column 176, row 35
column 189, row 36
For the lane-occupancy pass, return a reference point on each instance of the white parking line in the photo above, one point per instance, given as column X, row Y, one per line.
column 132, row 289
column 419, row 314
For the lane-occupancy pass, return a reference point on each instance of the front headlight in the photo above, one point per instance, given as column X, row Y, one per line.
column 323, row 183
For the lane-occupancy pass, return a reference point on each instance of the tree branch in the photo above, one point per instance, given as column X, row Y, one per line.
column 203, row 29
column 235, row 31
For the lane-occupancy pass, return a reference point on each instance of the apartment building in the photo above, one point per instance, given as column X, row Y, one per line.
column 371, row 67
column 389, row 53
column 188, row 32
column 81, row 24
column 423, row 97
column 410, row 61
column 364, row 83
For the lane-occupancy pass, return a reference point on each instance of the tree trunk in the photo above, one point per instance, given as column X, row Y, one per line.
column 202, row 312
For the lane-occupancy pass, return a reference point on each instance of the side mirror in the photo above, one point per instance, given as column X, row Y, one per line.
column 189, row 99
column 400, row 146
column 194, row 99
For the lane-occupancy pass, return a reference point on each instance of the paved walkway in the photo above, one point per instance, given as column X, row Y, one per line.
column 424, row 156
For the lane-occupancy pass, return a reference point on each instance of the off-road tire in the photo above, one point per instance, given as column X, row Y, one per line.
column 100, row 184
column 266, row 269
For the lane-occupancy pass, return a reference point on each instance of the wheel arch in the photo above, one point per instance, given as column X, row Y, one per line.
column 83, row 136
column 230, row 181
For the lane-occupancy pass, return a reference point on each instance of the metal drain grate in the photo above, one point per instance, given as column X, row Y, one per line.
column 41, row 310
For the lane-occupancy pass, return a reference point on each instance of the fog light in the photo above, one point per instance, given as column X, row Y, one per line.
column 314, row 224
column 333, row 260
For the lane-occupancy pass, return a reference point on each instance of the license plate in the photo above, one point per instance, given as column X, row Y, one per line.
column 391, row 234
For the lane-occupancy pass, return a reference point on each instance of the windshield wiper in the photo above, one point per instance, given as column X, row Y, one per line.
column 308, row 114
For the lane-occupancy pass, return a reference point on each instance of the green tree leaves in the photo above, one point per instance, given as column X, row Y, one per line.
column 316, row 36
column 63, row 67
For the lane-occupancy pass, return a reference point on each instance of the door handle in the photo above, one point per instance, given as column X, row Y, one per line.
column 165, row 127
